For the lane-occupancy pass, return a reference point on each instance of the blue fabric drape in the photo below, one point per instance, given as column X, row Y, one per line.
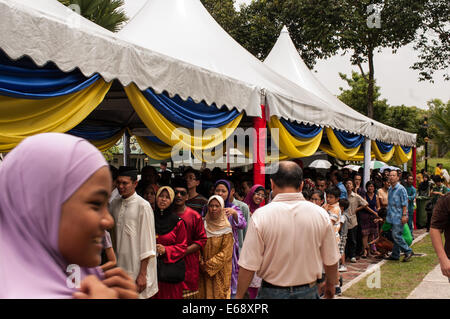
column 383, row 147
column 23, row 79
column 155, row 140
column 406, row 149
column 94, row 133
column 349, row 140
column 184, row 113
column 301, row 130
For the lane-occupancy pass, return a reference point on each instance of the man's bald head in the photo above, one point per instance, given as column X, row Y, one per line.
column 288, row 174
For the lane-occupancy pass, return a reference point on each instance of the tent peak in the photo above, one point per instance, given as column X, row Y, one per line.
column 284, row 30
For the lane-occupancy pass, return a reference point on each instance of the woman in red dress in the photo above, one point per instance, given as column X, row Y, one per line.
column 171, row 240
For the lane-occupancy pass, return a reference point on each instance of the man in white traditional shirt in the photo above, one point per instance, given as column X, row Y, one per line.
column 135, row 233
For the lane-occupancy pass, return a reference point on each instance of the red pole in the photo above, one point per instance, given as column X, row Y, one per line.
column 259, row 123
column 414, row 173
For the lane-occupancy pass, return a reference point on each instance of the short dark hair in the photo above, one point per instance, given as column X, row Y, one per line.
column 318, row 192
column 164, row 163
column 307, row 193
column 396, row 171
column 287, row 174
column 339, row 176
column 349, row 180
column 333, row 190
column 436, row 179
column 320, row 177
column 193, row 171
column 344, row 203
column 369, row 183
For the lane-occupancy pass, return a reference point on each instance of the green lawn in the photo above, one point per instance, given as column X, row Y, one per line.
column 398, row 279
column 432, row 163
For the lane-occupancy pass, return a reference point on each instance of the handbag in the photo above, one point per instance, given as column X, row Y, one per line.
column 171, row 272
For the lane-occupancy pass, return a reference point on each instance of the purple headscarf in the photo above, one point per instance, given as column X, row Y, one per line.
column 228, row 186
column 36, row 178
column 249, row 198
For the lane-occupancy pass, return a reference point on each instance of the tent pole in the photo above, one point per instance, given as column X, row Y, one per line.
column 367, row 159
column 228, row 159
column 126, row 148
column 259, row 143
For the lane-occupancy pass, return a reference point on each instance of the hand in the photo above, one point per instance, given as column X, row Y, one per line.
column 141, row 282
column 121, row 282
column 230, row 212
column 404, row 219
column 445, row 267
column 160, row 249
column 93, row 288
column 329, row 290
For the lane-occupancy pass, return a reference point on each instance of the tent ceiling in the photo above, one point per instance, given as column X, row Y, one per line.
column 285, row 59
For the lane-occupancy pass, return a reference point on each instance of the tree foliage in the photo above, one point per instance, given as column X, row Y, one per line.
column 439, row 120
column 433, row 42
column 356, row 96
column 105, row 13
column 407, row 118
column 322, row 28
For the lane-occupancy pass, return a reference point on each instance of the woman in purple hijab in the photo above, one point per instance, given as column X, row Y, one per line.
column 236, row 218
column 53, row 213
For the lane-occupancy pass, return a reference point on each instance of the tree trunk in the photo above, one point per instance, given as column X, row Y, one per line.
column 370, row 89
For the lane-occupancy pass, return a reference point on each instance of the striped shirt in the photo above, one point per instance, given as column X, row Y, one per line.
column 197, row 203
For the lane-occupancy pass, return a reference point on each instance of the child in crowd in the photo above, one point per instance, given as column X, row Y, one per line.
column 343, row 205
column 332, row 207
column 317, row 197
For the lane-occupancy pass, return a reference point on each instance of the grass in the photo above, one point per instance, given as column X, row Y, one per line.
column 398, row 279
column 433, row 161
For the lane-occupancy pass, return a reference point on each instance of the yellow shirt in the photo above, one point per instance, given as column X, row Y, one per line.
column 438, row 171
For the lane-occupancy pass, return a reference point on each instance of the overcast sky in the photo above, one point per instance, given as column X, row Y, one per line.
column 399, row 84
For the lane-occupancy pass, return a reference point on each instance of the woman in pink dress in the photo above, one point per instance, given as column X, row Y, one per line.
column 171, row 240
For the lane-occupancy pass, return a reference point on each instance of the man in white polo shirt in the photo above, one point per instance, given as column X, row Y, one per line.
column 288, row 243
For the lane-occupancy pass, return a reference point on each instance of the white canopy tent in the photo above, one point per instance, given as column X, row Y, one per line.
column 185, row 30
column 285, row 59
column 46, row 30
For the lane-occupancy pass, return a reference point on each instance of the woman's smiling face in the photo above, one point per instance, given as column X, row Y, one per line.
column 84, row 218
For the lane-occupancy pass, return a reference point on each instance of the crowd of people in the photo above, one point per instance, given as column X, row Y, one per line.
column 363, row 217
column 192, row 234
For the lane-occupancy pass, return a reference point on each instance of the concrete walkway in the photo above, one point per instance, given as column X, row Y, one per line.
column 434, row 286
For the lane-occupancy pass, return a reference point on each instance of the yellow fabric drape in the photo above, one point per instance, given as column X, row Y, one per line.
column 291, row 146
column 338, row 150
column 359, row 157
column 105, row 144
column 172, row 135
column 154, row 150
column 400, row 156
column 21, row 118
column 384, row 157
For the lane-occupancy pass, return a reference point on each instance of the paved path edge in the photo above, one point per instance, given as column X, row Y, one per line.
column 375, row 267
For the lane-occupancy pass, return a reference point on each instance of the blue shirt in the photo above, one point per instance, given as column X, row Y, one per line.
column 411, row 191
column 397, row 199
column 344, row 194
